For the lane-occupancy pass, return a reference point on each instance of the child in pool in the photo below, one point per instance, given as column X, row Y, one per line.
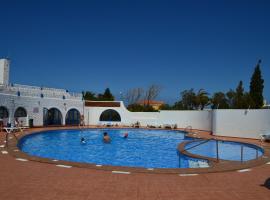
column 125, row 135
column 106, row 138
column 83, row 141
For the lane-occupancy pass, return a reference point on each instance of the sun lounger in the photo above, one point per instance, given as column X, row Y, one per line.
column 136, row 125
column 167, row 126
column 108, row 124
column 15, row 129
column 11, row 129
column 151, row 126
column 126, row 125
column 265, row 137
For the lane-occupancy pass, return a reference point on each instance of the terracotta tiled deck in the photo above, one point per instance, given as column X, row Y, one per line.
column 34, row 180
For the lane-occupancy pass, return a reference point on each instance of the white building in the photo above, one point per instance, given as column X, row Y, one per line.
column 51, row 106
column 46, row 106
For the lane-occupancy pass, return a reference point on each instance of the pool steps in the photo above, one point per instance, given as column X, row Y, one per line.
column 120, row 172
column 243, row 170
column 21, row 159
column 188, row 174
column 197, row 164
column 64, row 166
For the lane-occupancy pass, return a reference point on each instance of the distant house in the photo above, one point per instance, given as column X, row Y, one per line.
column 155, row 104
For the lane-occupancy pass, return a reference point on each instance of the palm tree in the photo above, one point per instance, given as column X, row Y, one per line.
column 202, row 99
column 220, row 101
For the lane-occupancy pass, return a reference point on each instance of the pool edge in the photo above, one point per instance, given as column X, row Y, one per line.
column 214, row 166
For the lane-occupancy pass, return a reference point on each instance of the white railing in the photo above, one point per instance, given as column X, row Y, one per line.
column 34, row 91
column 37, row 88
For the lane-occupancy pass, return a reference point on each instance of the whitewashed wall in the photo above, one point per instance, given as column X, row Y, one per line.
column 92, row 115
column 241, row 123
column 197, row 119
column 233, row 123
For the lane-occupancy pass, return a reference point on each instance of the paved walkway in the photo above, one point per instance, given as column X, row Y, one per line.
column 34, row 180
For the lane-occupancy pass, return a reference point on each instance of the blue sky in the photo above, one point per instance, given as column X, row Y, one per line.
column 90, row 45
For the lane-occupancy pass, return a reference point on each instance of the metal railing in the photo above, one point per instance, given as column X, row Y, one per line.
column 203, row 142
column 188, row 128
column 217, row 150
column 242, row 154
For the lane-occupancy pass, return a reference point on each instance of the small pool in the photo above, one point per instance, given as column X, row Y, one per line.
column 143, row 148
column 226, row 150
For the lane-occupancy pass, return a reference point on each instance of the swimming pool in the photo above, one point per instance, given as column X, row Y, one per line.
column 143, row 148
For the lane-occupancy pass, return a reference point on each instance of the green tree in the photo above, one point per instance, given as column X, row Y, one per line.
column 149, row 108
column 140, row 108
column 178, row 106
column 166, row 107
column 231, row 98
column 239, row 96
column 219, row 101
column 91, row 96
column 88, row 95
column 135, row 108
column 247, row 101
column 188, row 101
column 107, row 96
column 202, row 99
column 256, row 87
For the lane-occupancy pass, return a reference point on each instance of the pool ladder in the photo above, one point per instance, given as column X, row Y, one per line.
column 188, row 129
column 203, row 142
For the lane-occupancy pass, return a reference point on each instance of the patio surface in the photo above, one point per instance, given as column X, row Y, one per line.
column 35, row 180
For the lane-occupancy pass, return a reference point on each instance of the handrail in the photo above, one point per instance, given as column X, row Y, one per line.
column 188, row 127
column 197, row 144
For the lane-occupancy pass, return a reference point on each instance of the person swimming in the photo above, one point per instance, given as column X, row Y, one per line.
column 106, row 138
column 83, row 141
column 125, row 136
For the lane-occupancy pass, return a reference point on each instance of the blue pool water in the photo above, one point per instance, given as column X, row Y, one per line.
column 142, row 148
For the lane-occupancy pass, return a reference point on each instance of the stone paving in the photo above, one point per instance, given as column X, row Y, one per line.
column 35, row 180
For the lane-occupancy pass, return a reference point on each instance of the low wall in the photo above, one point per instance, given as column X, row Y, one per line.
column 241, row 123
column 233, row 123
column 197, row 119
column 92, row 115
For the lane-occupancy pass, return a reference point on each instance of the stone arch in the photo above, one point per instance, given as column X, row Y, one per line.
column 52, row 116
column 20, row 112
column 110, row 115
column 73, row 117
column 3, row 112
